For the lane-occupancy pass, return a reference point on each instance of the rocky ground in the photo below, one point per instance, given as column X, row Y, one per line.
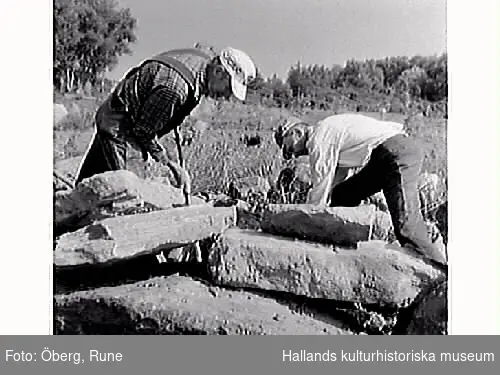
column 129, row 258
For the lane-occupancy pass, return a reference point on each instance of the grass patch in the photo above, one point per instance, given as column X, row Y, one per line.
column 220, row 154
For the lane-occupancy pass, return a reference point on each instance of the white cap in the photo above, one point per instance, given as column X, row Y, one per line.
column 290, row 123
column 241, row 69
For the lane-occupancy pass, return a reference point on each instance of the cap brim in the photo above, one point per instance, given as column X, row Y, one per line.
column 238, row 88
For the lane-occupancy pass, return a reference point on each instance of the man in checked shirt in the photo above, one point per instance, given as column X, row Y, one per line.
column 154, row 98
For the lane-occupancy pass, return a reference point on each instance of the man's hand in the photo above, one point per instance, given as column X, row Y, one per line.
column 180, row 174
column 185, row 185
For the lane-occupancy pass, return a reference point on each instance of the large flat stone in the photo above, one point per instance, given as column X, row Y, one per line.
column 180, row 305
column 126, row 236
column 68, row 167
column 373, row 274
column 114, row 193
column 344, row 226
column 122, row 184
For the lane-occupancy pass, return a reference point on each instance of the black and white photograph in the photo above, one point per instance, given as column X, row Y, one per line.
column 231, row 167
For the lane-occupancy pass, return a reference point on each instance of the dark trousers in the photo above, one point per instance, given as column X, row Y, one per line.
column 394, row 168
column 105, row 153
column 108, row 148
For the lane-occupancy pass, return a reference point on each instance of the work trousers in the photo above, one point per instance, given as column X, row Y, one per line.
column 107, row 150
column 394, row 168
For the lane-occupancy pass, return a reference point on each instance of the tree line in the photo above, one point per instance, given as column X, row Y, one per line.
column 90, row 36
column 392, row 83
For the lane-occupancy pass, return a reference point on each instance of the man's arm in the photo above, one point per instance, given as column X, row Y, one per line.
column 180, row 174
column 157, row 111
column 323, row 160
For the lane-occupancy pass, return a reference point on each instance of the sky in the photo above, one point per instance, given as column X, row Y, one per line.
column 278, row 33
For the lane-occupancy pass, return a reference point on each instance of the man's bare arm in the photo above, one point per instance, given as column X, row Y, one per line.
column 180, row 174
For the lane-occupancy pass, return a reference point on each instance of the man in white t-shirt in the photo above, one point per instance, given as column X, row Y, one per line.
column 385, row 159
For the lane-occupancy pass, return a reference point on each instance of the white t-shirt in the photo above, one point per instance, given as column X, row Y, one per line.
column 345, row 141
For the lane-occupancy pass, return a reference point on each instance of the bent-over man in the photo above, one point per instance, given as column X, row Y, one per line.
column 154, row 98
column 385, row 159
